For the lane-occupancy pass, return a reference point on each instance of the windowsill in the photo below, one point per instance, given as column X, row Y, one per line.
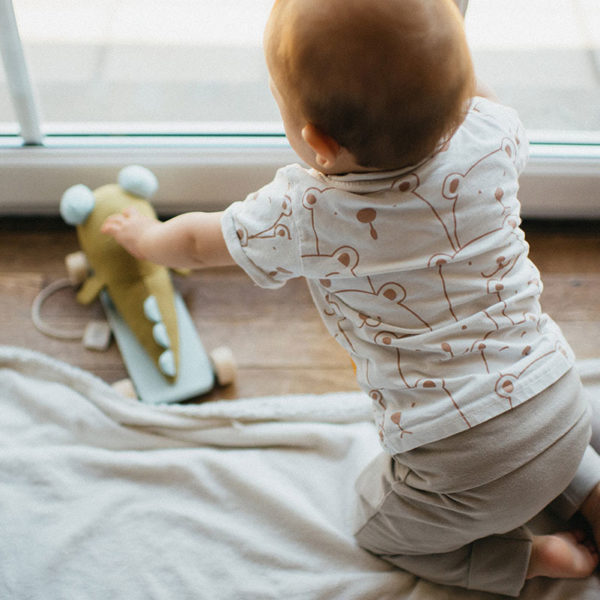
column 209, row 172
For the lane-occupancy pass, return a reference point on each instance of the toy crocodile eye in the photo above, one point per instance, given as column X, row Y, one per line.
column 76, row 204
column 138, row 181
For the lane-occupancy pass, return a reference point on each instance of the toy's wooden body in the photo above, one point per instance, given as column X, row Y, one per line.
column 195, row 376
column 156, row 336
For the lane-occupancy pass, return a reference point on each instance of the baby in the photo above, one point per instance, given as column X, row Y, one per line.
column 406, row 228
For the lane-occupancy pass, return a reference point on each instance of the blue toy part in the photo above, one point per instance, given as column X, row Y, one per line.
column 159, row 332
column 138, row 180
column 196, row 375
column 151, row 310
column 166, row 362
column 77, row 204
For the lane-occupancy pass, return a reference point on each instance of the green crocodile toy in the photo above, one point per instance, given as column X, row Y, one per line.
column 147, row 316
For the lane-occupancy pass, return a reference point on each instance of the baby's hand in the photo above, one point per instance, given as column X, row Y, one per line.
column 128, row 229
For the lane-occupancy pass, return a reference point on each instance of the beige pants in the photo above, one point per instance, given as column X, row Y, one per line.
column 453, row 511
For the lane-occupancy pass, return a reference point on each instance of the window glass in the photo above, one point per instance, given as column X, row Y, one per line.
column 197, row 65
column 542, row 57
column 8, row 119
column 147, row 61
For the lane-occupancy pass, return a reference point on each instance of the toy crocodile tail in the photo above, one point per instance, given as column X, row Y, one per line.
column 150, row 304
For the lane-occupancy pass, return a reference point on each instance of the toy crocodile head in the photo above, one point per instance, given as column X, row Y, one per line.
column 141, row 291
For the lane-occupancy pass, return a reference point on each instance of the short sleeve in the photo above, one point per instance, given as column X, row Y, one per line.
column 261, row 235
column 506, row 119
column 522, row 144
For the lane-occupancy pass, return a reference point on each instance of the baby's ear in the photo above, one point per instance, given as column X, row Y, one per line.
column 326, row 149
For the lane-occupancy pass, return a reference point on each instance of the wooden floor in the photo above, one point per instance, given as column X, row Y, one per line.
column 279, row 342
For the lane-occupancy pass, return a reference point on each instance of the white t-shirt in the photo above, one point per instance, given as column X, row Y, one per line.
column 421, row 275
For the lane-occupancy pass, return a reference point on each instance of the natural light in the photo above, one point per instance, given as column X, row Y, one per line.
column 191, row 61
column 183, row 86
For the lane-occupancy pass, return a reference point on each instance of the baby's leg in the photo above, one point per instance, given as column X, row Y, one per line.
column 450, row 538
column 568, row 553
column 594, row 401
column 432, row 534
column 451, row 529
column 583, row 493
column 590, row 509
column 485, row 564
column 589, row 472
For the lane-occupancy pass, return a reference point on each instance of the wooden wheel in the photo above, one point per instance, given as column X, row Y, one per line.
column 125, row 388
column 78, row 267
column 223, row 365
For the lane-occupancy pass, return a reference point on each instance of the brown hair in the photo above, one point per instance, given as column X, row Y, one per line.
column 387, row 79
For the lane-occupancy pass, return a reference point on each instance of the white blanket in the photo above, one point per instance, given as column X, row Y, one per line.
column 105, row 498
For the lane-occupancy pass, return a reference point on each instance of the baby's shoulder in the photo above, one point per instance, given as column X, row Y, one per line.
column 486, row 112
column 295, row 177
column 492, row 133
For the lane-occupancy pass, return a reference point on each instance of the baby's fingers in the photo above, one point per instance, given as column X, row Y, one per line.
column 112, row 224
column 130, row 212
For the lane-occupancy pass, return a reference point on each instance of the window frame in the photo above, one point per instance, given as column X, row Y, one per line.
column 206, row 166
column 207, row 172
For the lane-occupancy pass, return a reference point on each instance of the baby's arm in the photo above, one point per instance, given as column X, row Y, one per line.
column 191, row 240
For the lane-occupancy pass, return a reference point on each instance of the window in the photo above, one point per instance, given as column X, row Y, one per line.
column 120, row 63
column 182, row 88
column 543, row 58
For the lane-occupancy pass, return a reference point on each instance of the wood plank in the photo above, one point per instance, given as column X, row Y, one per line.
column 279, row 340
column 255, row 382
column 275, row 345
column 583, row 336
column 571, row 296
column 563, row 246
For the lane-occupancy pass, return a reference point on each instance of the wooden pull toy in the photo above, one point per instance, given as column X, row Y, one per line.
column 153, row 329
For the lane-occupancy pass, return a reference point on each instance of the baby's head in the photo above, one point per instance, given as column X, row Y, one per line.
column 387, row 80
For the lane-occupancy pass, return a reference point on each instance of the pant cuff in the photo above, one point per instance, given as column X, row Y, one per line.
column 499, row 563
